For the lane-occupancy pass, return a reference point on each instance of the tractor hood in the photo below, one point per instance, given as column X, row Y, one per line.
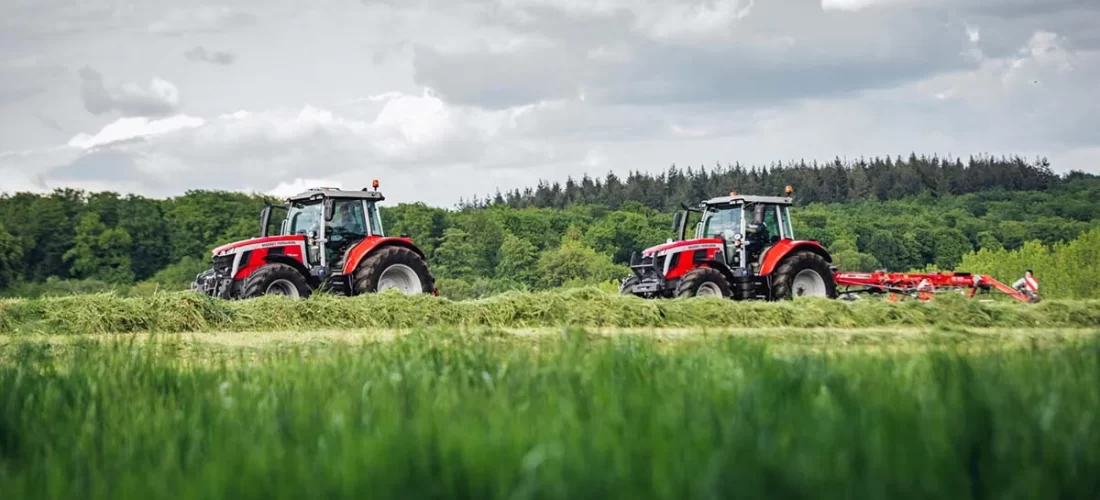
column 665, row 247
column 249, row 244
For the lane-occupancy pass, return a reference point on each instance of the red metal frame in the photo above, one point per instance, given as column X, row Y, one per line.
column 783, row 248
column 368, row 244
column 923, row 284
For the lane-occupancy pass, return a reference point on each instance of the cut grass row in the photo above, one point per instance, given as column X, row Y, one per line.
column 205, row 346
column 441, row 413
column 188, row 312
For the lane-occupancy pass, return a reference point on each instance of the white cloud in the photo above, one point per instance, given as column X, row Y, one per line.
column 286, row 189
column 282, row 150
column 125, row 129
column 855, row 5
column 973, row 33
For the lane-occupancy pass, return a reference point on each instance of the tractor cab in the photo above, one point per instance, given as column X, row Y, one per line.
column 746, row 225
column 332, row 220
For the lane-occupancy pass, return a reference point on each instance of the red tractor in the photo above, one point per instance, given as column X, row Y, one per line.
column 329, row 240
column 743, row 249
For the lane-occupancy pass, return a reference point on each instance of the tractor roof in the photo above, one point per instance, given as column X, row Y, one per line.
column 741, row 199
column 318, row 193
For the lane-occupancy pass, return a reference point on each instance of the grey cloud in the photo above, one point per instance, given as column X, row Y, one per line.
column 160, row 99
column 780, row 52
column 109, row 168
column 1026, row 8
column 24, row 79
column 106, row 165
column 1005, row 25
column 49, row 122
column 200, row 54
column 499, row 81
column 38, row 20
column 18, row 93
column 205, row 19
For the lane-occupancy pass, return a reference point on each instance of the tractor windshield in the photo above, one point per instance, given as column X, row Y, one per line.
column 721, row 222
column 303, row 218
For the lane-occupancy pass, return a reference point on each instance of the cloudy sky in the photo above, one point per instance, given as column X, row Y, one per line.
column 443, row 99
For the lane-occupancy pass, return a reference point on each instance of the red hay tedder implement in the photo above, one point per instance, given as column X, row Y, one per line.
column 900, row 286
column 744, row 249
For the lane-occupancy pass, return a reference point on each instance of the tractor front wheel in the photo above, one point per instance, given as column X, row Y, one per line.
column 394, row 267
column 630, row 281
column 704, row 282
column 804, row 274
column 276, row 279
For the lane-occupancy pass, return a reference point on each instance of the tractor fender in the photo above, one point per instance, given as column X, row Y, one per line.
column 369, row 245
column 292, row 262
column 720, row 267
column 783, row 248
column 255, row 258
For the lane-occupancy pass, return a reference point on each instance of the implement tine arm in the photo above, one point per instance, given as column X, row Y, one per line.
column 1004, row 288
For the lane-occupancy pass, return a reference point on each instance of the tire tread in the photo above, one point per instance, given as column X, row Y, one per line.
column 256, row 283
column 370, row 269
column 696, row 277
column 792, row 265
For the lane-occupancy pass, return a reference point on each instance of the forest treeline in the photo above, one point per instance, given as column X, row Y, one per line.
column 887, row 178
column 883, row 213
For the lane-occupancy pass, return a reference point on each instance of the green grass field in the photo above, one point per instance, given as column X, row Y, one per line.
column 567, row 395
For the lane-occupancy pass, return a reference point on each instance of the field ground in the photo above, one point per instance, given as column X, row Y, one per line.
column 487, row 412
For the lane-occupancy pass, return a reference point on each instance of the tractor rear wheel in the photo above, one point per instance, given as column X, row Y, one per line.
column 804, row 274
column 704, row 282
column 394, row 267
column 276, row 279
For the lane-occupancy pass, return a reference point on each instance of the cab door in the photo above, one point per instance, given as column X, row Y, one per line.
column 273, row 220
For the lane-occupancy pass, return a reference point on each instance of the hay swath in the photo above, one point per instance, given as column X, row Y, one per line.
column 923, row 286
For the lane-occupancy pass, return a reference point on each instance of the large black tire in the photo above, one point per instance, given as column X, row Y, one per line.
column 624, row 287
column 276, row 278
column 707, row 280
column 817, row 279
column 369, row 273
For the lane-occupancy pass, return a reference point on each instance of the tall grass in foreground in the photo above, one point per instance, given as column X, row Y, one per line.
column 180, row 312
column 441, row 415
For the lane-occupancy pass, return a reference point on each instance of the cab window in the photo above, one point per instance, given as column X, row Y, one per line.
column 788, row 232
column 771, row 222
column 348, row 217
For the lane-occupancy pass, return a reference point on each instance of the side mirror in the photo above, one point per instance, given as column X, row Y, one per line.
column 676, row 218
column 330, row 209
